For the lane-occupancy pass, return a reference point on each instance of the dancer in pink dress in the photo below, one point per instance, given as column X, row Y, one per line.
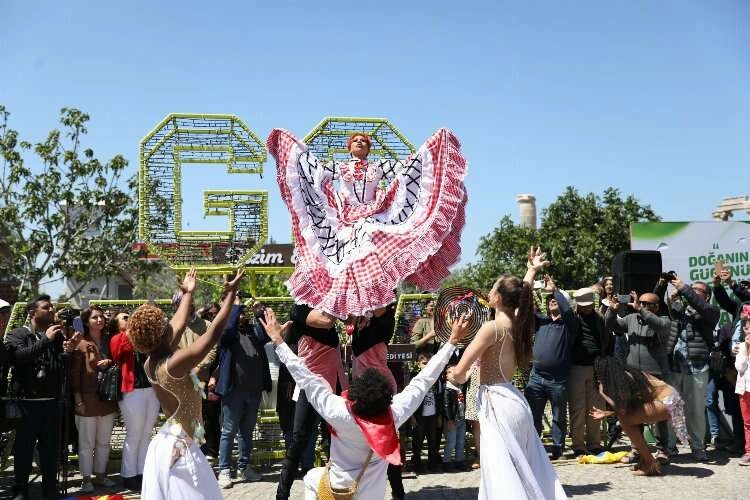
column 388, row 220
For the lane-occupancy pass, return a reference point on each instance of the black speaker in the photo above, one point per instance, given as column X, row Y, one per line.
column 637, row 270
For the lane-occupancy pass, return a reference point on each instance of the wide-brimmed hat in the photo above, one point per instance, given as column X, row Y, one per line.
column 584, row 296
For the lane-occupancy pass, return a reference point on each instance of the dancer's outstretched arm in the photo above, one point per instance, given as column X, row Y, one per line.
column 184, row 360
column 179, row 321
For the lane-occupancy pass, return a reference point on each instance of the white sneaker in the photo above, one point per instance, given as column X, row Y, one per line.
column 87, row 487
column 250, row 475
column 225, row 479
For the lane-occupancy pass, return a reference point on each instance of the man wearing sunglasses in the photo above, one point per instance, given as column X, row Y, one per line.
column 646, row 335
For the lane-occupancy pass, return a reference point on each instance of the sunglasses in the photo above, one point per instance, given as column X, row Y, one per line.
column 644, row 303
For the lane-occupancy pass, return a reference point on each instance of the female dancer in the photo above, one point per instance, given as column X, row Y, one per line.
column 94, row 418
column 518, row 466
column 139, row 405
column 355, row 244
column 175, row 465
column 638, row 398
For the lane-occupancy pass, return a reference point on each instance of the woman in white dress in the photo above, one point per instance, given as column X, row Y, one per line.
column 518, row 467
column 175, row 466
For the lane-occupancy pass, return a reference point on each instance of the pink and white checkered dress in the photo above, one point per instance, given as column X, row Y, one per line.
column 388, row 221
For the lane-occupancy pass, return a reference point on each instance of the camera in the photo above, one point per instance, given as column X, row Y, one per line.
column 67, row 316
column 669, row 276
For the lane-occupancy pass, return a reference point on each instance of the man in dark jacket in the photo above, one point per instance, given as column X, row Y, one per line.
column 690, row 341
column 555, row 335
column 243, row 374
column 38, row 355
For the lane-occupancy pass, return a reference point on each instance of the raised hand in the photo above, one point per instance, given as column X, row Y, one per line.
column 460, row 328
column 726, row 275
column 537, row 259
column 231, row 285
column 274, row 330
column 634, row 305
column 190, row 282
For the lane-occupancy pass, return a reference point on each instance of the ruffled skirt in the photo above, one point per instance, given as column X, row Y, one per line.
column 349, row 266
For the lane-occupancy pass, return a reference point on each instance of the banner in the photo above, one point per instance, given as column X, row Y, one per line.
column 691, row 249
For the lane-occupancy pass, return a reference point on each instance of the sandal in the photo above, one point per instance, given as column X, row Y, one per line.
column 631, row 458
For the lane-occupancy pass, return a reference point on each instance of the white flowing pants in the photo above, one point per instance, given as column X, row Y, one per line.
column 140, row 409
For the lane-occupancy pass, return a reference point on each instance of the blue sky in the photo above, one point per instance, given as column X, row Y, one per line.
column 649, row 97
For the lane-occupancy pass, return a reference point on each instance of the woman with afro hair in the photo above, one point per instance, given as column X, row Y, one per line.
column 175, row 466
column 638, row 398
column 363, row 420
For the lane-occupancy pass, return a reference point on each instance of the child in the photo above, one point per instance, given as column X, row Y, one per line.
column 454, row 424
column 425, row 424
column 743, row 387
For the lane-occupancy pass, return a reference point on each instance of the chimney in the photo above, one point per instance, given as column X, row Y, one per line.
column 527, row 205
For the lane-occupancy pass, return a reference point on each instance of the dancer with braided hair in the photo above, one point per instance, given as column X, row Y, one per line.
column 638, row 398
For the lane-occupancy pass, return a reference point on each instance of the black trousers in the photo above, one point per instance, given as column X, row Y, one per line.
column 425, row 427
column 40, row 427
column 211, row 421
column 305, row 421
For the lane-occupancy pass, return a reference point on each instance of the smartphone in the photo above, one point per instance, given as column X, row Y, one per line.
column 78, row 324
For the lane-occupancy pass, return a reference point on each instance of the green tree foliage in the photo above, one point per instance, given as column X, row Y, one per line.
column 580, row 234
column 64, row 213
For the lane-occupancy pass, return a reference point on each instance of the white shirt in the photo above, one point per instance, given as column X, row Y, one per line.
column 743, row 373
column 429, row 406
column 349, row 447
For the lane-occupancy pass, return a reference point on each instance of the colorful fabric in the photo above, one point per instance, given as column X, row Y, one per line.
column 323, row 360
column 354, row 245
column 676, row 409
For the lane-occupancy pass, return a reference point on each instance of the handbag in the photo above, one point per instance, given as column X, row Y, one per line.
column 327, row 492
column 108, row 384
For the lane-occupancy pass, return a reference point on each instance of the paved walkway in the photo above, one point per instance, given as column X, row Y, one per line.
column 721, row 478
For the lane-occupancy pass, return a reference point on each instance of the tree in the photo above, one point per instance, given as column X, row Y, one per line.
column 503, row 251
column 68, row 214
column 580, row 234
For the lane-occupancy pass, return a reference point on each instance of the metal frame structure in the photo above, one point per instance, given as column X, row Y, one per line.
column 184, row 138
column 327, row 140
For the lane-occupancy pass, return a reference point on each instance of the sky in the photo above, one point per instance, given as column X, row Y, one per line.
column 648, row 97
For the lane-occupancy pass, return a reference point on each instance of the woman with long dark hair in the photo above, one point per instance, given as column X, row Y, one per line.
column 638, row 398
column 517, row 466
column 94, row 418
